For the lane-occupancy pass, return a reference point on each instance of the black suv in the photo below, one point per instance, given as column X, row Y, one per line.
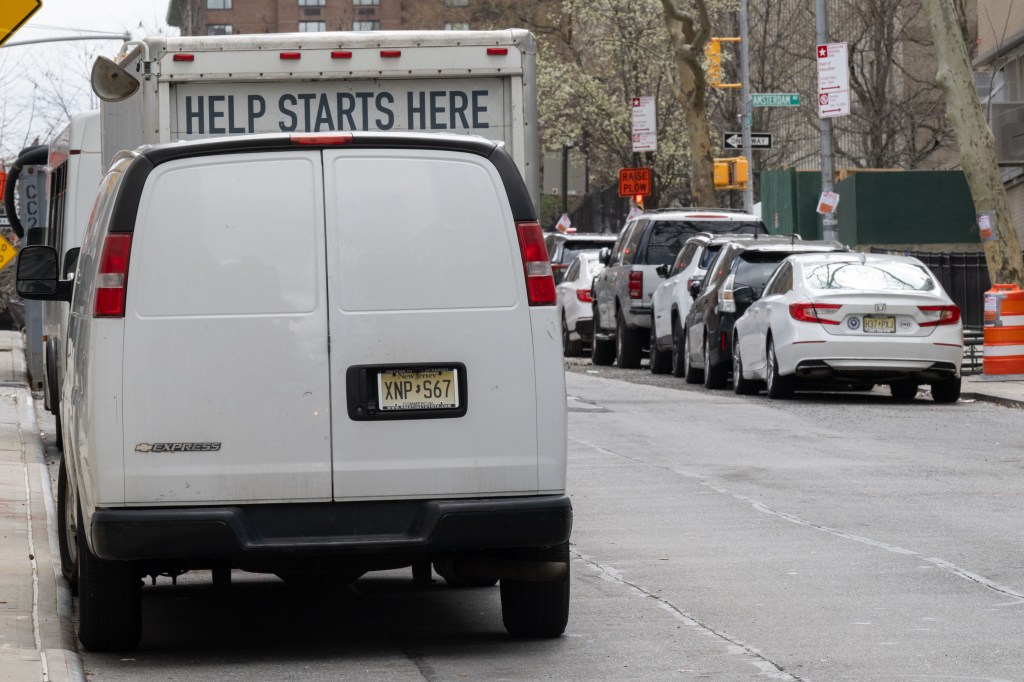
column 563, row 248
column 734, row 280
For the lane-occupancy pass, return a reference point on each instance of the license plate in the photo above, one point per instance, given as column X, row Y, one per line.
column 880, row 324
column 419, row 389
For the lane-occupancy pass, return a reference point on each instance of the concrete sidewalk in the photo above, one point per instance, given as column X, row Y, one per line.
column 37, row 641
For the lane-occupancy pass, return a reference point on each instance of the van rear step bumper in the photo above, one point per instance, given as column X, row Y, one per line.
column 330, row 528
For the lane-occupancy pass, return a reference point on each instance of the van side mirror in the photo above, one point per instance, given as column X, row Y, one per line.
column 604, row 255
column 37, row 275
column 743, row 295
column 663, row 269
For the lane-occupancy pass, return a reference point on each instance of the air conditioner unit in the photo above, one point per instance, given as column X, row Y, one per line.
column 1007, row 121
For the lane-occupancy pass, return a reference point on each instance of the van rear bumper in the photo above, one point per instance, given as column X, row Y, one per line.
column 326, row 529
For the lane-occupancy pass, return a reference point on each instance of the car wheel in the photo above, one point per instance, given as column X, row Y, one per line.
column 740, row 385
column 947, row 391
column 714, row 375
column 537, row 609
column 67, row 529
column 661, row 360
column 903, row 391
column 58, row 430
column 628, row 347
column 678, row 350
column 779, row 387
column 602, row 351
column 570, row 348
column 691, row 373
column 109, row 601
column 445, row 569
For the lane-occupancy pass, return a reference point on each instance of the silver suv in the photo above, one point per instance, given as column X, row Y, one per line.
column 622, row 292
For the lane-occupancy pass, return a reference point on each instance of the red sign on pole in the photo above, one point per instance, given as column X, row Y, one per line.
column 634, row 181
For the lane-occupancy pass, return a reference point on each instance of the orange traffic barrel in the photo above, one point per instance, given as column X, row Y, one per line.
column 1004, row 330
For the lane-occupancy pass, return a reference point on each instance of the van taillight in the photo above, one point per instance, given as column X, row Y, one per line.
column 540, row 283
column 112, row 278
column 636, row 284
column 318, row 139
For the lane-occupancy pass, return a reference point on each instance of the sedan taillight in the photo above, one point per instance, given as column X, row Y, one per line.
column 636, row 284
column 811, row 312
column 942, row 314
column 584, row 296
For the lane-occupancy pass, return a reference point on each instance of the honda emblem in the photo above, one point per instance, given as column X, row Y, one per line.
column 879, row 307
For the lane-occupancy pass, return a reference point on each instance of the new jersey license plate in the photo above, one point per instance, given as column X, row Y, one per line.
column 879, row 324
column 418, row 389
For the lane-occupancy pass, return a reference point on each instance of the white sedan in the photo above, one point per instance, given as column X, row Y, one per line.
column 847, row 318
column 574, row 302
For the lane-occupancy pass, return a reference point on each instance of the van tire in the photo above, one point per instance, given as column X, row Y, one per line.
column 67, row 537
column 109, row 600
column 602, row 351
column 532, row 609
column 628, row 345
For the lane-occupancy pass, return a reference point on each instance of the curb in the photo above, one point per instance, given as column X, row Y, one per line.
column 57, row 640
column 995, row 399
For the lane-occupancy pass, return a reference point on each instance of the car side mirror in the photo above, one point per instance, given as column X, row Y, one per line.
column 663, row 269
column 743, row 295
column 604, row 255
column 37, row 275
column 694, row 287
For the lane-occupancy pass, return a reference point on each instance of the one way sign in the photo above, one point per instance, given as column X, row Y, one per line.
column 757, row 140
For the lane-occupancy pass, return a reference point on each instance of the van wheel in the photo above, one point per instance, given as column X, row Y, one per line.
column 740, row 385
column 714, row 375
column 602, row 351
column 946, row 391
column 109, row 601
column 537, row 609
column 628, row 347
column 661, row 360
column 779, row 387
column 67, row 529
column 445, row 569
column 691, row 373
column 570, row 348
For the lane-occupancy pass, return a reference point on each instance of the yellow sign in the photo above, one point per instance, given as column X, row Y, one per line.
column 13, row 14
column 7, row 252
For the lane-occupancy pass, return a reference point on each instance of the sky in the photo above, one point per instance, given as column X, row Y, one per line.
column 41, row 85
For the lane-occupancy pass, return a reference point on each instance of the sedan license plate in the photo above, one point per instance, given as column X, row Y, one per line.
column 879, row 324
column 418, row 389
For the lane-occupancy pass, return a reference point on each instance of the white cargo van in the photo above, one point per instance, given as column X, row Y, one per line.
column 312, row 353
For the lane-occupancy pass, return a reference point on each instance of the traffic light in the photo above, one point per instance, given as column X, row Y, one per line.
column 639, row 200
column 713, row 54
column 731, row 173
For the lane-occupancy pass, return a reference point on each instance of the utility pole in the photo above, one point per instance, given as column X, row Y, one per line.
column 747, row 106
column 828, row 221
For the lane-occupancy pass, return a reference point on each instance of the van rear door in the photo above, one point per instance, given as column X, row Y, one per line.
column 431, row 353
column 226, row 385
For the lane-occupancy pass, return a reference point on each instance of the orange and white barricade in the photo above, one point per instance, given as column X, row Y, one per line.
column 1004, row 330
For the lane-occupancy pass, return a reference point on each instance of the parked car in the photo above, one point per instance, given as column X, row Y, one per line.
column 850, row 318
column 623, row 290
column 707, row 329
column 672, row 299
column 305, row 411
column 574, row 303
column 564, row 247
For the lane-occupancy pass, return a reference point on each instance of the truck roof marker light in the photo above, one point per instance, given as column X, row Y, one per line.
column 341, row 54
column 316, row 139
column 291, row 55
column 390, row 54
column 112, row 277
column 497, row 51
column 183, row 57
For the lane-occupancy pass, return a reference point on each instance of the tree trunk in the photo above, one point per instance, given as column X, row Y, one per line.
column 977, row 147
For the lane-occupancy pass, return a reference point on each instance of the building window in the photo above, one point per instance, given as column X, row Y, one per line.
column 365, row 2
column 310, row 3
column 456, row 3
column 219, row 29
column 218, row 4
column 456, row 26
column 312, row 26
column 366, row 25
